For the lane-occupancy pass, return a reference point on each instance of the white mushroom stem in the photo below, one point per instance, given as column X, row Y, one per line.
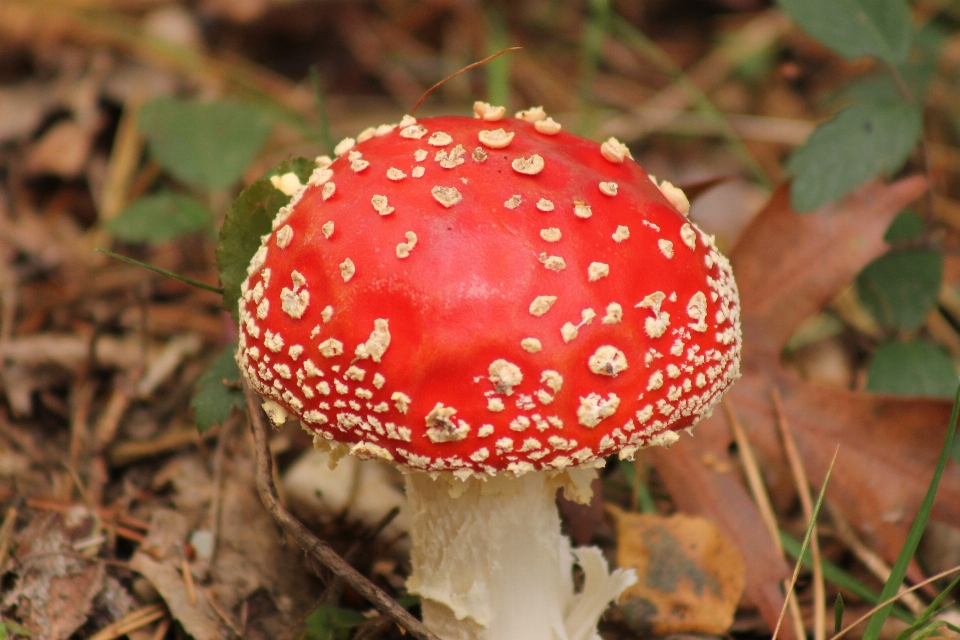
column 490, row 563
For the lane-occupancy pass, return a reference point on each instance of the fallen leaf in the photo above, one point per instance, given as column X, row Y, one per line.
column 55, row 587
column 787, row 267
column 62, row 151
column 690, row 577
column 158, row 560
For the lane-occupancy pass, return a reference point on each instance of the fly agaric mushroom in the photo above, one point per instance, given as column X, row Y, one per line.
column 493, row 305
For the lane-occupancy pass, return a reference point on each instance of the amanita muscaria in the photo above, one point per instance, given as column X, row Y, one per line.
column 494, row 305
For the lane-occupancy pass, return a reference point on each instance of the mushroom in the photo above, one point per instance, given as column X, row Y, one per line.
column 495, row 306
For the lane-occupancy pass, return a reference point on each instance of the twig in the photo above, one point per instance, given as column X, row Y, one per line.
column 162, row 629
column 6, row 531
column 803, row 490
column 220, row 612
column 131, row 622
column 125, row 453
column 188, row 582
column 226, row 431
column 44, row 504
column 309, row 542
column 454, row 75
column 372, row 628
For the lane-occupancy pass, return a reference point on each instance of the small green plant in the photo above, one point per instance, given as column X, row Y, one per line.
column 204, row 145
column 10, row 630
column 217, row 391
column 331, row 623
column 875, row 133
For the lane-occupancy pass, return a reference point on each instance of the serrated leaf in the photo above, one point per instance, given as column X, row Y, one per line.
column 206, row 145
column 900, row 287
column 213, row 400
column 248, row 219
column 859, row 143
column 157, row 218
column 878, row 28
column 908, row 225
column 915, row 368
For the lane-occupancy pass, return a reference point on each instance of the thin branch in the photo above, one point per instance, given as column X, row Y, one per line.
column 454, row 75
column 309, row 542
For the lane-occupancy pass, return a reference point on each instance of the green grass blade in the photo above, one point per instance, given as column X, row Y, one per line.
column 639, row 42
column 171, row 274
column 595, row 31
column 838, row 613
column 899, row 569
column 840, row 578
column 806, row 540
column 321, row 109
column 639, row 489
column 498, row 70
column 932, row 609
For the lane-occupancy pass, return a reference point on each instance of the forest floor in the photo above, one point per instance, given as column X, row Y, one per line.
column 122, row 519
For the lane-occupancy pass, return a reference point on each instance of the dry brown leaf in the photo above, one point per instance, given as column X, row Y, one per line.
column 159, row 560
column 62, row 151
column 55, row 586
column 787, row 266
column 690, row 577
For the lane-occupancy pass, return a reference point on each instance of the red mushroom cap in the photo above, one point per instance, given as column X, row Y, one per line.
column 462, row 295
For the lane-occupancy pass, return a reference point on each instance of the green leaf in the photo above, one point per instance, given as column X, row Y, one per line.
column 161, row 217
column 915, row 368
column 859, row 143
column 899, row 569
column 853, row 28
column 206, row 145
column 900, row 287
column 331, row 623
column 212, row 399
column 249, row 218
column 908, row 225
column 918, row 72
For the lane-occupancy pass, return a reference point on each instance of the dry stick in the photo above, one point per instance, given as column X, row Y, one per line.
column 803, row 490
column 44, row 504
column 220, row 612
column 372, row 628
column 226, row 431
column 132, row 621
column 762, row 500
column 309, row 542
column 188, row 582
column 464, row 70
column 162, row 629
column 335, row 588
column 6, row 532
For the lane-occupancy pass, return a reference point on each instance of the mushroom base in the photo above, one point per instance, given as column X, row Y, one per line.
column 490, row 562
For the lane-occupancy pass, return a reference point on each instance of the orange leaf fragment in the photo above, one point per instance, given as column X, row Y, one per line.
column 690, row 577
